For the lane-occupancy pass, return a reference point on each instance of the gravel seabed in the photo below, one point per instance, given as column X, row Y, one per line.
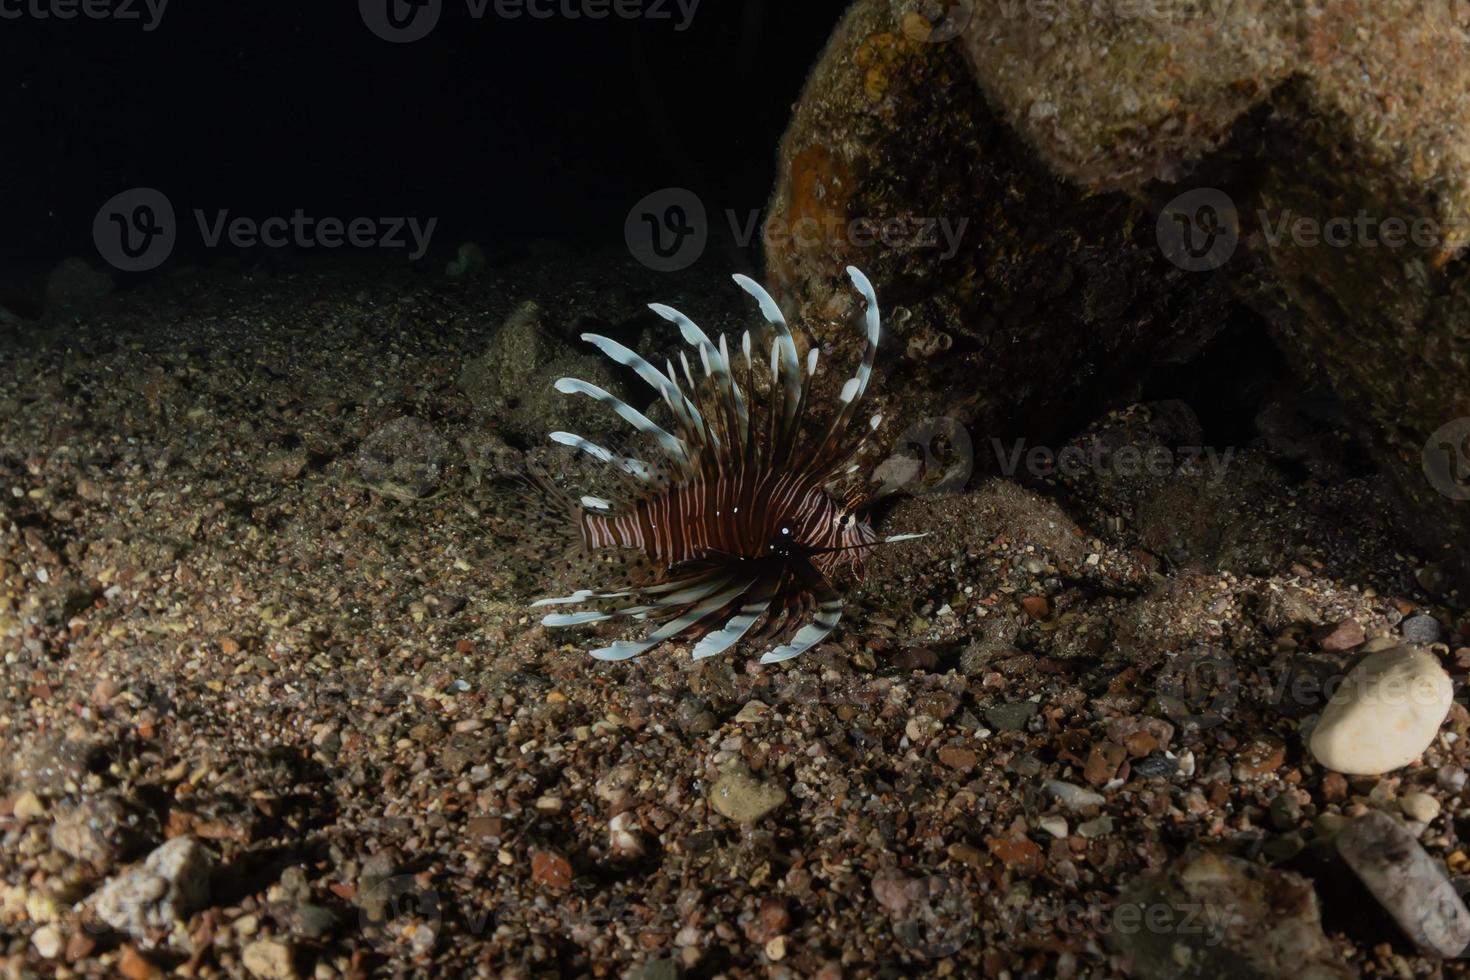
column 258, row 589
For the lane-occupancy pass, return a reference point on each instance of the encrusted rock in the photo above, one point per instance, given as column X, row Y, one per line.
column 1219, row 128
column 1035, row 294
column 513, row 380
column 1407, row 882
column 744, row 799
column 171, row 883
column 1215, row 916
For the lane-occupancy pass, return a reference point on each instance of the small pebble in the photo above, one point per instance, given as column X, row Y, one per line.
column 1420, row 806
column 739, row 797
column 1341, row 636
column 28, row 806
column 48, row 942
column 1074, row 797
column 269, row 959
column 1011, row 717
column 1421, row 628
column 1054, row 825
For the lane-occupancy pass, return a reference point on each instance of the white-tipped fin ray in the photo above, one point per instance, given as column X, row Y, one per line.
column 788, row 368
column 828, row 615
column 626, row 649
column 633, row 467
column 674, row 447
column 738, row 625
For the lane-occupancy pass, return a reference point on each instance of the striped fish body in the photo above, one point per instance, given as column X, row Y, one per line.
column 742, row 515
column 740, row 518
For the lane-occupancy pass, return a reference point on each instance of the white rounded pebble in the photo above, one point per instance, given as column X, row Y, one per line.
column 48, row 942
column 1420, row 806
column 1385, row 714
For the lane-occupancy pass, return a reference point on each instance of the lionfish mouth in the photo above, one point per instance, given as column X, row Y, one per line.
column 741, row 518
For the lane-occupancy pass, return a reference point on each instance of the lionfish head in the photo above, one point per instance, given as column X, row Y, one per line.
column 740, row 517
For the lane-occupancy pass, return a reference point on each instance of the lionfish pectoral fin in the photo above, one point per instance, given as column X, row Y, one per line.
column 626, row 649
column 828, row 615
column 668, row 443
column 635, row 468
column 673, row 595
column 738, row 625
column 581, row 595
column 666, row 386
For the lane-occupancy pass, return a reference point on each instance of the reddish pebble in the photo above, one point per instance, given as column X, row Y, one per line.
column 1103, row 762
column 958, row 758
column 1020, row 853
column 1140, row 744
column 1261, row 756
column 551, row 869
column 916, row 658
column 1036, row 606
column 1341, row 636
column 771, row 921
column 135, row 966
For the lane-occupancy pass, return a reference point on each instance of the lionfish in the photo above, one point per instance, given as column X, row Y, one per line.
column 741, row 521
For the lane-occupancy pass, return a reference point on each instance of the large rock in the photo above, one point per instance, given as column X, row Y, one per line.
column 170, row 884
column 1013, row 301
column 1235, row 119
column 1214, row 916
column 1385, row 713
column 512, row 382
column 1409, row 884
column 1323, row 110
